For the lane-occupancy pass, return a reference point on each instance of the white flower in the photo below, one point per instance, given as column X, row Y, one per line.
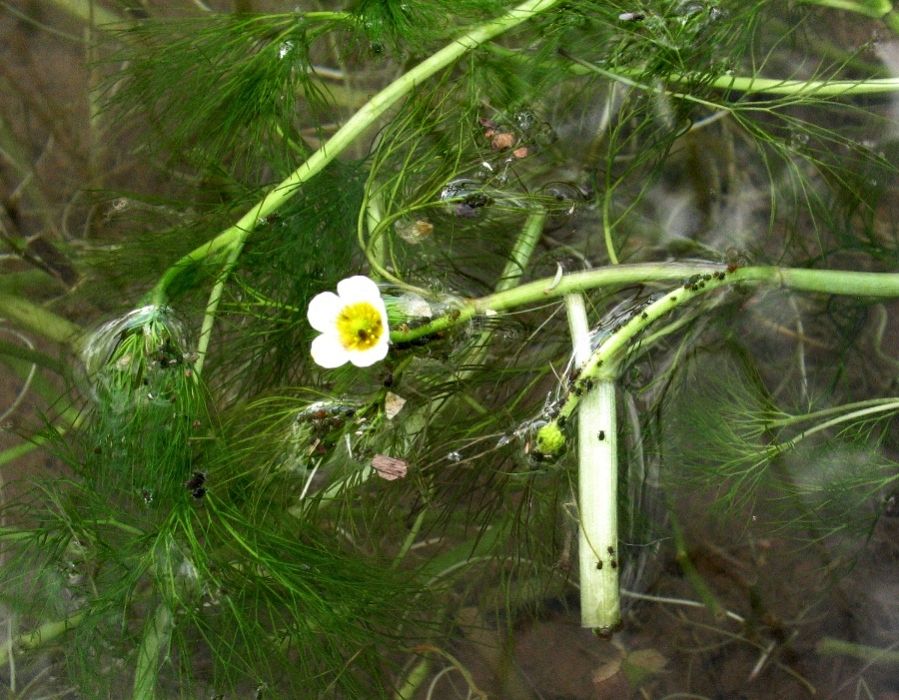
column 352, row 323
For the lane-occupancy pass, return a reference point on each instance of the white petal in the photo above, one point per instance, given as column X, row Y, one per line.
column 323, row 310
column 366, row 358
column 358, row 288
column 328, row 352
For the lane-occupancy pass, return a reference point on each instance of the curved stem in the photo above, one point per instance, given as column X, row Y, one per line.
column 842, row 282
column 235, row 236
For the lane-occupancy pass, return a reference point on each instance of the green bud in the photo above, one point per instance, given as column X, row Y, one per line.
column 550, row 439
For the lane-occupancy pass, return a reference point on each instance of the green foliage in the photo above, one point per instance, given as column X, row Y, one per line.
column 222, row 86
column 233, row 532
column 413, row 27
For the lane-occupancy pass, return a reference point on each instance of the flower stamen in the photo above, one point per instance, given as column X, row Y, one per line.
column 359, row 326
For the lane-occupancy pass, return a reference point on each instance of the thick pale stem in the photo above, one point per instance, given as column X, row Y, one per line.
column 156, row 639
column 598, row 509
column 597, row 488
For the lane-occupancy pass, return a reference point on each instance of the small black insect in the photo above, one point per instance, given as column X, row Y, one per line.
column 602, row 435
column 599, row 565
column 196, row 481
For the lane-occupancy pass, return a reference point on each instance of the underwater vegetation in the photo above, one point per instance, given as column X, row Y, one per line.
column 406, row 350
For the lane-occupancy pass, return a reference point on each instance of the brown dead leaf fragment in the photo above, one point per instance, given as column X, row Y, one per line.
column 393, row 404
column 502, row 140
column 389, row 468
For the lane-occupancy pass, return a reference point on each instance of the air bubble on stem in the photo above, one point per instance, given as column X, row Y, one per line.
column 135, row 357
column 465, row 197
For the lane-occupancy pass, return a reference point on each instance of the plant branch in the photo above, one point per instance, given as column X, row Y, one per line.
column 41, row 636
column 597, row 488
column 234, row 237
column 749, row 85
column 155, row 640
column 842, row 282
column 38, row 319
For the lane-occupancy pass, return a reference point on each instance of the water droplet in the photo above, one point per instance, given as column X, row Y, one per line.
column 286, row 48
column 561, row 200
column 798, row 139
column 454, row 456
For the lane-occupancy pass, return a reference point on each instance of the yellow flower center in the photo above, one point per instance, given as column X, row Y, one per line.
column 359, row 326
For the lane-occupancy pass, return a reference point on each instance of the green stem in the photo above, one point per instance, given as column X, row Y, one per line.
column 522, row 251
column 842, row 282
column 597, row 488
column 602, row 365
column 750, row 85
column 682, row 556
column 88, row 11
column 235, row 236
column 413, row 680
column 871, row 655
column 38, row 319
column 155, row 640
column 11, row 534
column 42, row 635
column 875, row 9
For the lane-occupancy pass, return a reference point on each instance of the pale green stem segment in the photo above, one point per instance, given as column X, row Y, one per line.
column 875, row 9
column 750, row 85
column 829, row 646
column 601, row 366
column 234, row 237
column 597, row 488
column 870, row 284
column 522, row 250
column 88, row 10
column 41, row 636
column 155, row 640
column 36, row 318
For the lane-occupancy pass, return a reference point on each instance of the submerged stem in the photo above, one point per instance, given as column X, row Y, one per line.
column 235, row 236
column 42, row 635
column 597, row 488
column 845, row 282
column 156, row 637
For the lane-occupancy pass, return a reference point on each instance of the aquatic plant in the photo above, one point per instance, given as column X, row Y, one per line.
column 268, row 487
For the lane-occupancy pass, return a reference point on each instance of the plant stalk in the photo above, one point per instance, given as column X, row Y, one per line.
column 41, row 636
column 36, row 318
column 155, row 640
column 843, row 282
column 597, row 488
column 234, row 237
